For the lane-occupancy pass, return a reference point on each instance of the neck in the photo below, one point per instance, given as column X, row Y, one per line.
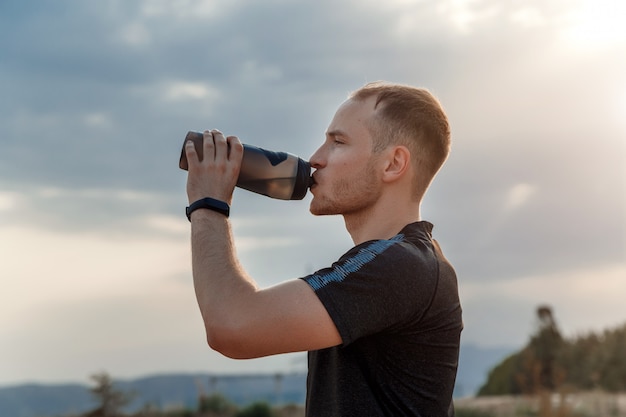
column 381, row 221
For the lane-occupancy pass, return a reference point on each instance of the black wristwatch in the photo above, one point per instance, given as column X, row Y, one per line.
column 208, row 203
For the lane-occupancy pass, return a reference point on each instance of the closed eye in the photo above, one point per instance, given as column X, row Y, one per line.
column 336, row 137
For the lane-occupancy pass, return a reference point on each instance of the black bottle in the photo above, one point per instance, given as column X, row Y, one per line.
column 274, row 174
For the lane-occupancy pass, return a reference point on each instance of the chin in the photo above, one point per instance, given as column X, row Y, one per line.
column 317, row 210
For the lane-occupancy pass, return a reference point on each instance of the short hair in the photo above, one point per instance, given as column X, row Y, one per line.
column 412, row 117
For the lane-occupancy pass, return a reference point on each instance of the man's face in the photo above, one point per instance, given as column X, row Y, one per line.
column 346, row 175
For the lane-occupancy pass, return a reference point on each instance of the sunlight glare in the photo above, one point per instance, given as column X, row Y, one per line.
column 464, row 14
column 528, row 17
column 596, row 23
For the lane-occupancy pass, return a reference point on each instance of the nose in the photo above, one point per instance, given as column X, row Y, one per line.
column 316, row 159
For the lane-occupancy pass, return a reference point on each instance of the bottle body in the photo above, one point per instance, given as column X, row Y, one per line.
column 278, row 175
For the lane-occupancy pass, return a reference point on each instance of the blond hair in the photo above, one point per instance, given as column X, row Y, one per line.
column 412, row 117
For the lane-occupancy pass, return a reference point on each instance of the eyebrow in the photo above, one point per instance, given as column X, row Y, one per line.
column 336, row 132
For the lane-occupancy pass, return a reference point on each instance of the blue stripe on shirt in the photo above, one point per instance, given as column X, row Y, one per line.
column 340, row 271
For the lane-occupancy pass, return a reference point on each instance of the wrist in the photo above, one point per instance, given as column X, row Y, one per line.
column 209, row 204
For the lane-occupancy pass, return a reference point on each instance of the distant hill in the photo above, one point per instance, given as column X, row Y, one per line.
column 178, row 391
column 164, row 392
column 474, row 365
column 35, row 400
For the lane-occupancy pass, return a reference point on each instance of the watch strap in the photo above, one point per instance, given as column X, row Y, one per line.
column 208, row 203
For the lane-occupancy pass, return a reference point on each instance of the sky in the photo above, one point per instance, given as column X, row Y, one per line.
column 96, row 98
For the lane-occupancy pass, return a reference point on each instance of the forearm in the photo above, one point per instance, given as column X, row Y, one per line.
column 240, row 320
column 221, row 285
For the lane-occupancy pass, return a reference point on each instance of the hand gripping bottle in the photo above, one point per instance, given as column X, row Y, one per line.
column 274, row 174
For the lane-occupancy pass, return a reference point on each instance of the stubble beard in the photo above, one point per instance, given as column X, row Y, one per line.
column 348, row 195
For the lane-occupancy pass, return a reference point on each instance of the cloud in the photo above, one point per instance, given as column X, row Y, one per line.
column 8, row 200
column 114, row 116
column 135, row 34
column 181, row 91
column 185, row 9
column 519, row 195
column 97, row 120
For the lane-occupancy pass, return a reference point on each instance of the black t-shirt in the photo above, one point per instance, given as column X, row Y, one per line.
column 396, row 306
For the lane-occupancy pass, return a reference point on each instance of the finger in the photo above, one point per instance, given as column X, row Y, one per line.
column 221, row 146
column 208, row 146
column 190, row 152
column 235, row 147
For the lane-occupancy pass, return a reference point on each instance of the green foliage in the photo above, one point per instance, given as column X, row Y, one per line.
column 110, row 400
column 258, row 409
column 216, row 404
column 501, row 379
column 549, row 362
column 177, row 413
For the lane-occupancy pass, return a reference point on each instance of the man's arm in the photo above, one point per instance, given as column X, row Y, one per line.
column 241, row 320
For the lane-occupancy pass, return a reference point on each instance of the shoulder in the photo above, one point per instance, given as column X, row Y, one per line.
column 402, row 257
column 413, row 244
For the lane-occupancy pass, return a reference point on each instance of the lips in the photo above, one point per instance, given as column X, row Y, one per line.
column 312, row 181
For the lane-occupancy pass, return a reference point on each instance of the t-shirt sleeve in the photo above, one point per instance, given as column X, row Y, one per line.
column 376, row 286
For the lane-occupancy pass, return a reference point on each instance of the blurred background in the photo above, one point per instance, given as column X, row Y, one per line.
column 96, row 98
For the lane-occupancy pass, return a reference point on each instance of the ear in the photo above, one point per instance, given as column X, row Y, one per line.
column 397, row 163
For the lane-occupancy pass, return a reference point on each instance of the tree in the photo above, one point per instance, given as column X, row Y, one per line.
column 258, row 409
column 535, row 367
column 545, row 346
column 550, row 362
column 110, row 400
column 216, row 404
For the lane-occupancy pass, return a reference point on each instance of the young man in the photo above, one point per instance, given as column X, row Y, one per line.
column 382, row 324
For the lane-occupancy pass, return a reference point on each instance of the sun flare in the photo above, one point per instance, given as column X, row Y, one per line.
column 597, row 23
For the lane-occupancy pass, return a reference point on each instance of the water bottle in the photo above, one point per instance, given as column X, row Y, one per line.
column 278, row 175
